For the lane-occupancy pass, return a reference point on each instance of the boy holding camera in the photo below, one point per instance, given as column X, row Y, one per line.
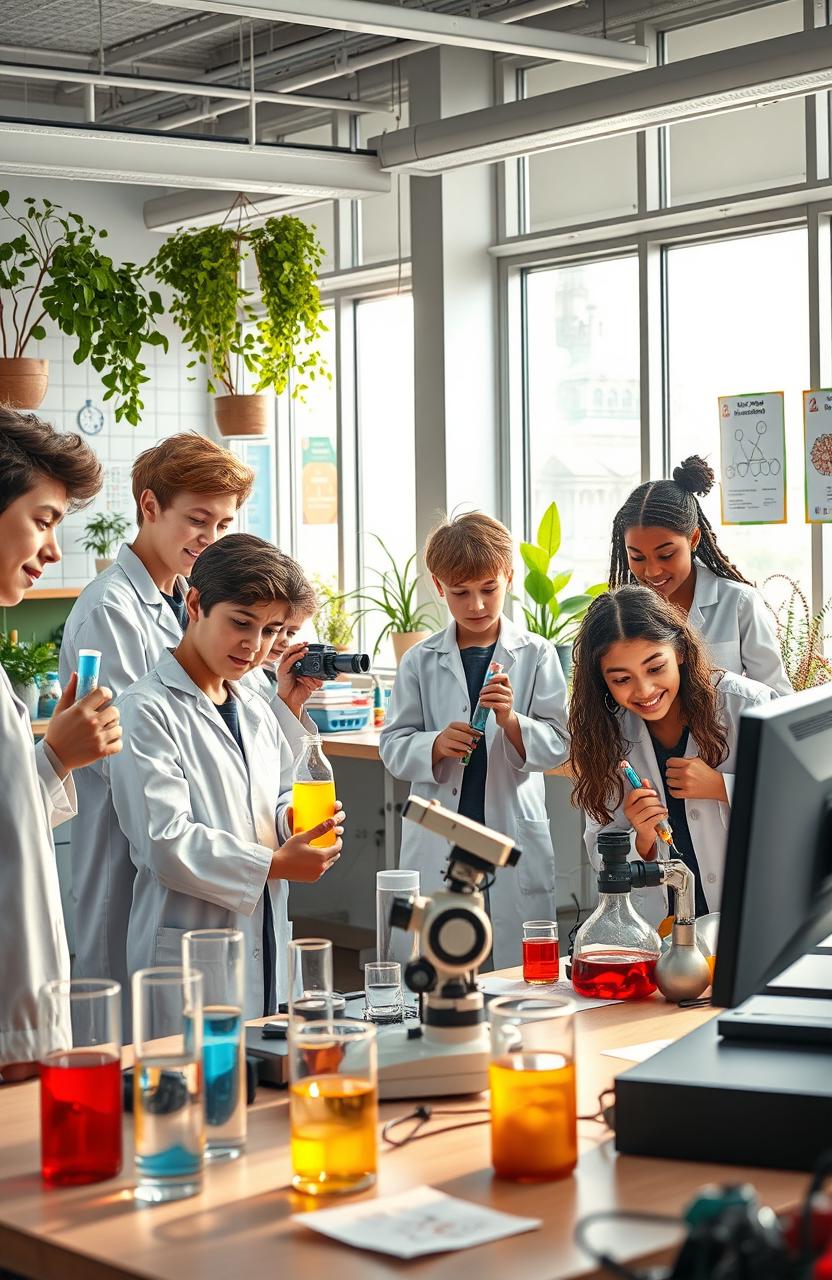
column 203, row 790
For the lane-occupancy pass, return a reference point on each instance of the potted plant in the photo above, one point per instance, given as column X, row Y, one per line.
column 53, row 268
column 332, row 622
column 394, row 595
column 103, row 532
column 553, row 615
column 24, row 663
column 214, row 311
column 800, row 634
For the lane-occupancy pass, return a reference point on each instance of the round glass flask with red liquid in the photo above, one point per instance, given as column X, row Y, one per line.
column 615, row 949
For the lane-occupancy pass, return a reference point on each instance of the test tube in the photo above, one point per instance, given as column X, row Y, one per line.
column 480, row 716
column 89, row 664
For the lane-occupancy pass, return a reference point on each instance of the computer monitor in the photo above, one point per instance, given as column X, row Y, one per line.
column 777, row 890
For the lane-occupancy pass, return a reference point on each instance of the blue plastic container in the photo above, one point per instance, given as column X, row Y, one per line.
column 340, row 719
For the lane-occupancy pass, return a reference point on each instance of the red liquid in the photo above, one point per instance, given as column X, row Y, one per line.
column 541, row 960
column 615, row 975
column 80, row 1117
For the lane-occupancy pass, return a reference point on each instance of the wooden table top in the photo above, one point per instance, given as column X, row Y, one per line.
column 241, row 1222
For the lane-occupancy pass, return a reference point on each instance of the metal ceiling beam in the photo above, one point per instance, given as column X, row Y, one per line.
column 374, row 18
column 205, row 208
column 785, row 67
column 140, row 48
column 101, row 155
column 10, row 70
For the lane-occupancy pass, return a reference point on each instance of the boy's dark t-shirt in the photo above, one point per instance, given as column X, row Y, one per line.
column 678, row 819
column 475, row 662
column 229, row 713
column 178, row 607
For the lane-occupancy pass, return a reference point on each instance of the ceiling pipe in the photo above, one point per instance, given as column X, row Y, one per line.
column 190, row 89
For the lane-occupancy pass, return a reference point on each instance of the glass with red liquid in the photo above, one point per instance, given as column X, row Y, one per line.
column 541, row 954
column 614, row 974
column 79, row 1032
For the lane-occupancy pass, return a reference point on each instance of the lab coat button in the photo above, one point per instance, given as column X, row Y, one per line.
column 453, row 793
column 256, row 953
column 712, row 878
column 465, row 708
column 693, row 815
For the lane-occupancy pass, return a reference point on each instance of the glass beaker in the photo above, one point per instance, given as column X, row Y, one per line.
column 534, row 1136
column 313, row 791
column 310, row 973
column 394, row 944
column 219, row 955
column 616, row 950
column 541, row 952
column 383, row 999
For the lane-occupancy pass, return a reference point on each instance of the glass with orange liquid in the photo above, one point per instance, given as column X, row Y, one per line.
column 333, row 1106
column 313, row 791
column 532, row 1077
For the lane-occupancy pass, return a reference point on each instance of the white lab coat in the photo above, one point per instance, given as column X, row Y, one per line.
column 201, row 821
column 707, row 819
column 739, row 629
column 431, row 691
column 293, row 730
column 33, row 949
column 123, row 613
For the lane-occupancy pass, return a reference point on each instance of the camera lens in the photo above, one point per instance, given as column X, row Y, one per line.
column 351, row 662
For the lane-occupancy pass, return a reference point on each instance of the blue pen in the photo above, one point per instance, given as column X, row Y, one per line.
column 662, row 828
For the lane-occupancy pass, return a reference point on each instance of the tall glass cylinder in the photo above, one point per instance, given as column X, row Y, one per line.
column 310, row 973
column 168, row 1103
column 333, row 1106
column 394, row 944
column 219, row 955
column 79, row 1034
column 532, row 1078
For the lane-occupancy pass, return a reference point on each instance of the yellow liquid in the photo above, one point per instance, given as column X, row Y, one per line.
column 333, row 1120
column 533, row 1130
column 313, row 802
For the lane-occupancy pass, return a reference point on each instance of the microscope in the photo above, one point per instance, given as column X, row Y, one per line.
column 448, row 1052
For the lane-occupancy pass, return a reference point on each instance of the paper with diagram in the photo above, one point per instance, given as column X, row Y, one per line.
column 817, row 426
column 752, row 440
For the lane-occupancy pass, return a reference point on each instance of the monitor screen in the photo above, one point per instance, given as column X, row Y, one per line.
column 777, row 891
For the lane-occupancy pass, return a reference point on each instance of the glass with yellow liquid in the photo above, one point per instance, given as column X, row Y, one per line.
column 313, row 791
column 333, row 1106
column 534, row 1134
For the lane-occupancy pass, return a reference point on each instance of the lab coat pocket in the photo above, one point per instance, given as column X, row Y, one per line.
column 536, row 868
column 169, row 946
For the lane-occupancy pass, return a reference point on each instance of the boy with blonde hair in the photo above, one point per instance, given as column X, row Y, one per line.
column 470, row 558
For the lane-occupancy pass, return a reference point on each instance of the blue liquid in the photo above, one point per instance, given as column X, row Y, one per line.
column 168, row 1117
column 221, row 1057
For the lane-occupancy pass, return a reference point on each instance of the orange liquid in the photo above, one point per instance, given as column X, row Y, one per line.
column 313, row 802
column 333, row 1120
column 533, row 1131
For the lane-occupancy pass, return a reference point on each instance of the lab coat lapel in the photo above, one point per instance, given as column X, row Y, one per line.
column 261, row 789
column 636, row 732
column 705, row 596
column 174, row 675
column 449, row 659
column 149, row 594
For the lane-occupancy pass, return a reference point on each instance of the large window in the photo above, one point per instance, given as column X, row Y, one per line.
column 737, row 323
column 582, row 372
column 386, row 218
column 386, row 441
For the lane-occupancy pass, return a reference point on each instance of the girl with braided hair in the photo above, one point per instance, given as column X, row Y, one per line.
column 662, row 538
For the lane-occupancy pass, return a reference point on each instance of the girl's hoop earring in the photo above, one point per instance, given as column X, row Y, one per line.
column 610, row 704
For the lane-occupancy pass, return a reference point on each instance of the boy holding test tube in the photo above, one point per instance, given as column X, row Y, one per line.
column 471, row 560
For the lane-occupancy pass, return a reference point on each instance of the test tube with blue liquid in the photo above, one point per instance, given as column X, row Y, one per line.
column 219, row 955
column 480, row 716
column 663, row 830
column 89, row 665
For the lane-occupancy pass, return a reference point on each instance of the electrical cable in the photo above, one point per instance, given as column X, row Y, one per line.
column 614, row 1215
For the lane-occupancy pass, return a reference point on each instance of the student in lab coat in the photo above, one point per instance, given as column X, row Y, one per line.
column 644, row 690
column 285, row 692
column 204, row 783
column 436, row 691
column 662, row 537
column 43, row 473
column 187, row 491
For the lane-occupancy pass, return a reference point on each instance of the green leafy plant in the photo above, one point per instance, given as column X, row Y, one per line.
column 332, row 622
column 103, row 532
column 553, row 615
column 53, row 268
column 25, row 661
column 214, row 310
column 800, row 635
column 394, row 595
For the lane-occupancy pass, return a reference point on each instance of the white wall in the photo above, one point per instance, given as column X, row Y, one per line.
column 172, row 403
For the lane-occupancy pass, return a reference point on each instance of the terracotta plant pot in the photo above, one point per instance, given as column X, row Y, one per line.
column 404, row 640
column 23, row 382
column 102, row 563
column 243, row 415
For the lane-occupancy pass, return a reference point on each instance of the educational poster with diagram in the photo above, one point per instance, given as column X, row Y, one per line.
column 752, row 451
column 817, row 435
column 319, row 481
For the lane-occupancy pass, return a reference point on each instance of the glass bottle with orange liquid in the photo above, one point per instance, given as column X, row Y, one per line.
column 534, row 1134
column 313, row 790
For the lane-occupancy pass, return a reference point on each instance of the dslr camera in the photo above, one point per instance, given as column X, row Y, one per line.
column 323, row 662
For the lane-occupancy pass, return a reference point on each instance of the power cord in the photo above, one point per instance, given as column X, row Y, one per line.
column 613, row 1215
column 424, row 1112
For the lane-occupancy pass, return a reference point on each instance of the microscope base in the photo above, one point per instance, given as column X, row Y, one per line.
column 418, row 1068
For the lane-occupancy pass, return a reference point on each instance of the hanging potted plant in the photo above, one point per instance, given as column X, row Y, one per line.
column 24, row 664
column 214, row 311
column 394, row 596
column 52, row 268
column 103, row 533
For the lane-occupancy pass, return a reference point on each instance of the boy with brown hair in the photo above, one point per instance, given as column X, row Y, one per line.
column 470, row 558
column 187, row 492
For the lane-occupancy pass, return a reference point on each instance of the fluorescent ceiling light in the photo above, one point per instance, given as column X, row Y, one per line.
column 372, row 17
column 786, row 67
column 103, row 155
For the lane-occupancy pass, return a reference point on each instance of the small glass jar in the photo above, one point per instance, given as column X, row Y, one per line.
column 50, row 692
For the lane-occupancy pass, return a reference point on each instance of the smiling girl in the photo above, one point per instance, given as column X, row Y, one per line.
column 644, row 690
column 662, row 537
